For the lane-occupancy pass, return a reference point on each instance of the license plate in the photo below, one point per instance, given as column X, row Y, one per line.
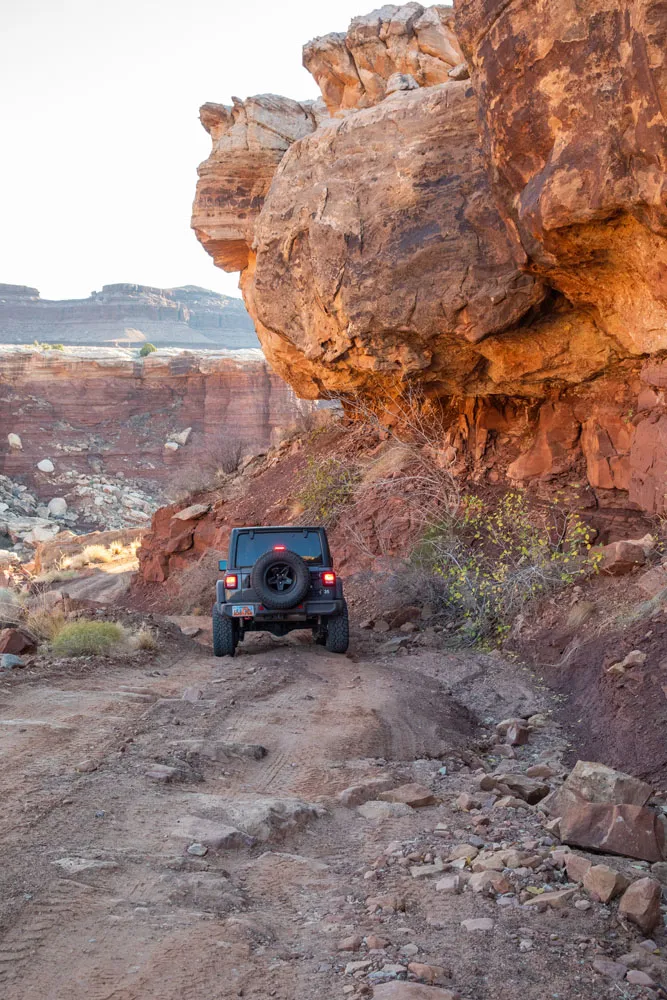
column 243, row 610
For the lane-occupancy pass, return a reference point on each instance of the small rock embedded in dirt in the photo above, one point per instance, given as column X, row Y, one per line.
column 192, row 694
column 194, row 511
column 353, row 943
column 412, row 795
column 209, row 833
column 577, row 867
column 8, row 661
column 636, row 658
column 163, row 773
column 638, row 978
column 429, row 973
column 356, row 795
column 449, row 884
column 419, row 871
column 478, row 924
column 15, row 641
column 86, row 766
column 540, row 771
column 530, row 790
column 353, row 967
column 73, row 866
column 466, row 802
column 640, row 903
column 198, row 850
column 375, row 810
column 375, row 943
column 621, row 557
column 557, row 900
column 609, row 969
column 604, row 882
column 467, row 851
column 190, row 631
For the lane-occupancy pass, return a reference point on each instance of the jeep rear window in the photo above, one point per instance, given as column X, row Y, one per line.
column 308, row 545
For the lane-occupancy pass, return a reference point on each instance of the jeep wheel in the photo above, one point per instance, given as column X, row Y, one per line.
column 225, row 635
column 280, row 579
column 338, row 633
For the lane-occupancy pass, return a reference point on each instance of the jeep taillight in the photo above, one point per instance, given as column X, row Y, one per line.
column 231, row 581
column 328, row 578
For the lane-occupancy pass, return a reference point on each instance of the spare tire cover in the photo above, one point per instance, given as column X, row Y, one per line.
column 280, row 579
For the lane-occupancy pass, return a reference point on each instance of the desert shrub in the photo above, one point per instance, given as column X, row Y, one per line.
column 147, row 349
column 86, row 638
column 48, row 347
column 44, row 622
column 145, row 638
column 96, row 554
column 327, row 486
column 55, row 575
column 487, row 563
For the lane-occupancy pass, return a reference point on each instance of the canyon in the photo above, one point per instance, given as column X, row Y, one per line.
column 105, row 414
column 127, row 314
column 473, row 216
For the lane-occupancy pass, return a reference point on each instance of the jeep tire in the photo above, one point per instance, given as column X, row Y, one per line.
column 225, row 634
column 281, row 580
column 338, row 632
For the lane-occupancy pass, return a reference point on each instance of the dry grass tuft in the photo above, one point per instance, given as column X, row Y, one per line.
column 86, row 638
column 146, row 638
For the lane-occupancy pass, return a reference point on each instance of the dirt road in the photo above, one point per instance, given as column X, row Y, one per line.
column 100, row 899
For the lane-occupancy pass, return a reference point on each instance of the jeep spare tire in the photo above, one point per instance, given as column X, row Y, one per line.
column 280, row 579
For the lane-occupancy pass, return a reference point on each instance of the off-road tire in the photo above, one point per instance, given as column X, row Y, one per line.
column 225, row 635
column 298, row 571
column 338, row 633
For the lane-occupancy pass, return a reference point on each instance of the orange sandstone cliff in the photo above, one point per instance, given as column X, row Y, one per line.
column 477, row 208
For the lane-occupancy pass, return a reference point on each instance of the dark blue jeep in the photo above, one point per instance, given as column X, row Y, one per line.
column 276, row 580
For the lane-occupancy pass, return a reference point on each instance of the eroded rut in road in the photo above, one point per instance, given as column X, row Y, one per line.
column 101, row 899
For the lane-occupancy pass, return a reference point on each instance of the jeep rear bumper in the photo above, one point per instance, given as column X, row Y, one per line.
column 313, row 609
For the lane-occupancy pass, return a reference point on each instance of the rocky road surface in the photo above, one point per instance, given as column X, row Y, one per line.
column 173, row 828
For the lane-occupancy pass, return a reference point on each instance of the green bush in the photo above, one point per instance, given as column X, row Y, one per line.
column 86, row 638
column 43, row 346
column 147, row 349
column 488, row 563
column 327, row 486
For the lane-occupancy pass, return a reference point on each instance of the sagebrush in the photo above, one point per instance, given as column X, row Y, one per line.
column 486, row 564
column 327, row 486
column 86, row 638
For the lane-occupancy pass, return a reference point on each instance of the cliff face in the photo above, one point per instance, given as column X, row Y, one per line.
column 127, row 314
column 491, row 232
column 104, row 411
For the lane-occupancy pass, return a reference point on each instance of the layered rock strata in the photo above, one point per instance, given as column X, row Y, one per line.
column 497, row 244
column 105, row 412
column 127, row 314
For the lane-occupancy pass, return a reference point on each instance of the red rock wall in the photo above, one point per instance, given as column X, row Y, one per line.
column 115, row 414
column 492, row 234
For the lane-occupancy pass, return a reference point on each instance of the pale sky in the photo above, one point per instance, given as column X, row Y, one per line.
column 100, row 135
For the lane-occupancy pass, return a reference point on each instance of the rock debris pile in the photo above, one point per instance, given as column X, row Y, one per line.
column 79, row 503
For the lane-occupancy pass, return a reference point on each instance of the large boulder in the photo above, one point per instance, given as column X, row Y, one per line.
column 580, row 181
column 362, row 217
column 605, row 810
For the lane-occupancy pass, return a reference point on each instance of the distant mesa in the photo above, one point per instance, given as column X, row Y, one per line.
column 127, row 315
